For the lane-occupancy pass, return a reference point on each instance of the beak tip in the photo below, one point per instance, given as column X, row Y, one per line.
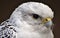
column 49, row 24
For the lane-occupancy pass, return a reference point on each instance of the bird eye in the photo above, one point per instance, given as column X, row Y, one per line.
column 35, row 16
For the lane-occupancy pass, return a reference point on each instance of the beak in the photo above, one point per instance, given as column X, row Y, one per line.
column 48, row 22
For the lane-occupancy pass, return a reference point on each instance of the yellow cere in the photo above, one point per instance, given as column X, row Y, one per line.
column 46, row 20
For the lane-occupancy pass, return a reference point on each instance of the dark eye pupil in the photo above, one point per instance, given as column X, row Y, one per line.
column 35, row 16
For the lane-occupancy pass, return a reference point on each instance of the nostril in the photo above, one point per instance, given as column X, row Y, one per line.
column 46, row 19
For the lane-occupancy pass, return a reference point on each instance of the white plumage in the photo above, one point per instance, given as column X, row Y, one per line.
column 29, row 20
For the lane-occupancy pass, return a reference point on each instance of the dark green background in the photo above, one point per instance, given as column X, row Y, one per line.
column 8, row 6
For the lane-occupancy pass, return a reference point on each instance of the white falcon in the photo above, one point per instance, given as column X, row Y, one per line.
column 29, row 20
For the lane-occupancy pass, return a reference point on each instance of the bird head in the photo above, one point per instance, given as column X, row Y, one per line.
column 37, row 15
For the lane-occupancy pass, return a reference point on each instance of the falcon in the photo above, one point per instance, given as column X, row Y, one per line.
column 29, row 20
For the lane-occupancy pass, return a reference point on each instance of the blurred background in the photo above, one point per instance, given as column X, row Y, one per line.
column 8, row 6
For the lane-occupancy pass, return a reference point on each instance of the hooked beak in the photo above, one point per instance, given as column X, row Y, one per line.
column 48, row 22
